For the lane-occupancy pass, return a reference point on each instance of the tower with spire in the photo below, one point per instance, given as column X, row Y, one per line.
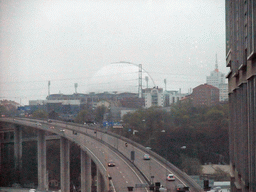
column 217, row 79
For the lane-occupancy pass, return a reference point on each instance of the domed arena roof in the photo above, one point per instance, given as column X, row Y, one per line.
column 119, row 77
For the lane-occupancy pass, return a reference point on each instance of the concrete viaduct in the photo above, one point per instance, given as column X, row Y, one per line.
column 95, row 145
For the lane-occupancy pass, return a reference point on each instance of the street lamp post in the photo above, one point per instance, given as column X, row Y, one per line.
column 163, row 131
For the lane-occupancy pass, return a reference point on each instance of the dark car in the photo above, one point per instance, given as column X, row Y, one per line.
column 182, row 188
column 111, row 164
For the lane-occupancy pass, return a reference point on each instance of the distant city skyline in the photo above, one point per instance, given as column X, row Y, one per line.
column 67, row 42
column 103, row 87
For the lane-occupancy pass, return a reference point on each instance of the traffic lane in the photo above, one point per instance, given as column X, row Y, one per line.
column 149, row 168
column 154, row 168
column 122, row 174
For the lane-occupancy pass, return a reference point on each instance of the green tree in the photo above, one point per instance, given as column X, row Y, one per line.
column 40, row 114
column 191, row 166
column 83, row 116
column 3, row 110
column 53, row 115
column 99, row 113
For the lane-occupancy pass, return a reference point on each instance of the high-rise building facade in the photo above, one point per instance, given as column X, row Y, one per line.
column 217, row 79
column 241, row 59
column 153, row 97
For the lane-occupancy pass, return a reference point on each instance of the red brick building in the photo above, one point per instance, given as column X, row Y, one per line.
column 205, row 95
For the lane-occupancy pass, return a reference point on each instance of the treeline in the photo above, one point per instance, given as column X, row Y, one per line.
column 187, row 136
column 85, row 115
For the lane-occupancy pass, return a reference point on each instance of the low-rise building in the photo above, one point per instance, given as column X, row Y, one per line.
column 171, row 97
column 205, row 95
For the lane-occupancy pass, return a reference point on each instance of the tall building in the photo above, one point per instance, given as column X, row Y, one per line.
column 241, row 59
column 217, row 79
column 153, row 97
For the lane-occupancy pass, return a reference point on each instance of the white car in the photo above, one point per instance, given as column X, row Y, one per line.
column 170, row 177
column 38, row 124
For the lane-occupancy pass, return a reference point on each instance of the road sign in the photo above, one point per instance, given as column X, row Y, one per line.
column 118, row 126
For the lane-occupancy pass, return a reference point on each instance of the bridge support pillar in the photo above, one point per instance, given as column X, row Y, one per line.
column 65, row 164
column 18, row 152
column 1, row 138
column 41, row 151
column 86, row 178
column 100, row 181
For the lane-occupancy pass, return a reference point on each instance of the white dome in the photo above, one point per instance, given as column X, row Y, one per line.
column 120, row 77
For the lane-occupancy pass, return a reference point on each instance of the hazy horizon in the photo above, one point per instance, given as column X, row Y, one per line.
column 68, row 42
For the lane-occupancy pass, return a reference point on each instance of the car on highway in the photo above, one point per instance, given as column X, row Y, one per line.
column 181, row 188
column 38, row 124
column 51, row 127
column 49, row 121
column 170, row 177
column 111, row 164
column 146, row 157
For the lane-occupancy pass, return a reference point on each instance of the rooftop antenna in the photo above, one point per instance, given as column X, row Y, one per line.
column 146, row 78
column 165, row 83
column 76, row 85
column 49, row 83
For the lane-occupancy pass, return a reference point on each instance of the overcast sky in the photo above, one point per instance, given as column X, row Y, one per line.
column 68, row 41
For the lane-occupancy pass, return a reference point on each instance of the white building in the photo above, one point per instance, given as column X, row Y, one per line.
column 223, row 91
column 217, row 79
column 171, row 97
column 153, row 97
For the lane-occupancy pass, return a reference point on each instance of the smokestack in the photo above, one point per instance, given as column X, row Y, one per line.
column 165, row 83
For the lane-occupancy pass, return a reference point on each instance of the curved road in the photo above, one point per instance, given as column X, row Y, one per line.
column 125, row 173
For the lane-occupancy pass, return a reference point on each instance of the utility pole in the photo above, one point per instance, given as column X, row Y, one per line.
column 76, row 85
column 140, row 81
column 146, row 78
column 49, row 83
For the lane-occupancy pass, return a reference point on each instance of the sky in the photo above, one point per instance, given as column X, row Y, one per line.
column 69, row 41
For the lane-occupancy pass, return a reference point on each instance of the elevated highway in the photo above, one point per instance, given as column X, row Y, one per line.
column 102, row 146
